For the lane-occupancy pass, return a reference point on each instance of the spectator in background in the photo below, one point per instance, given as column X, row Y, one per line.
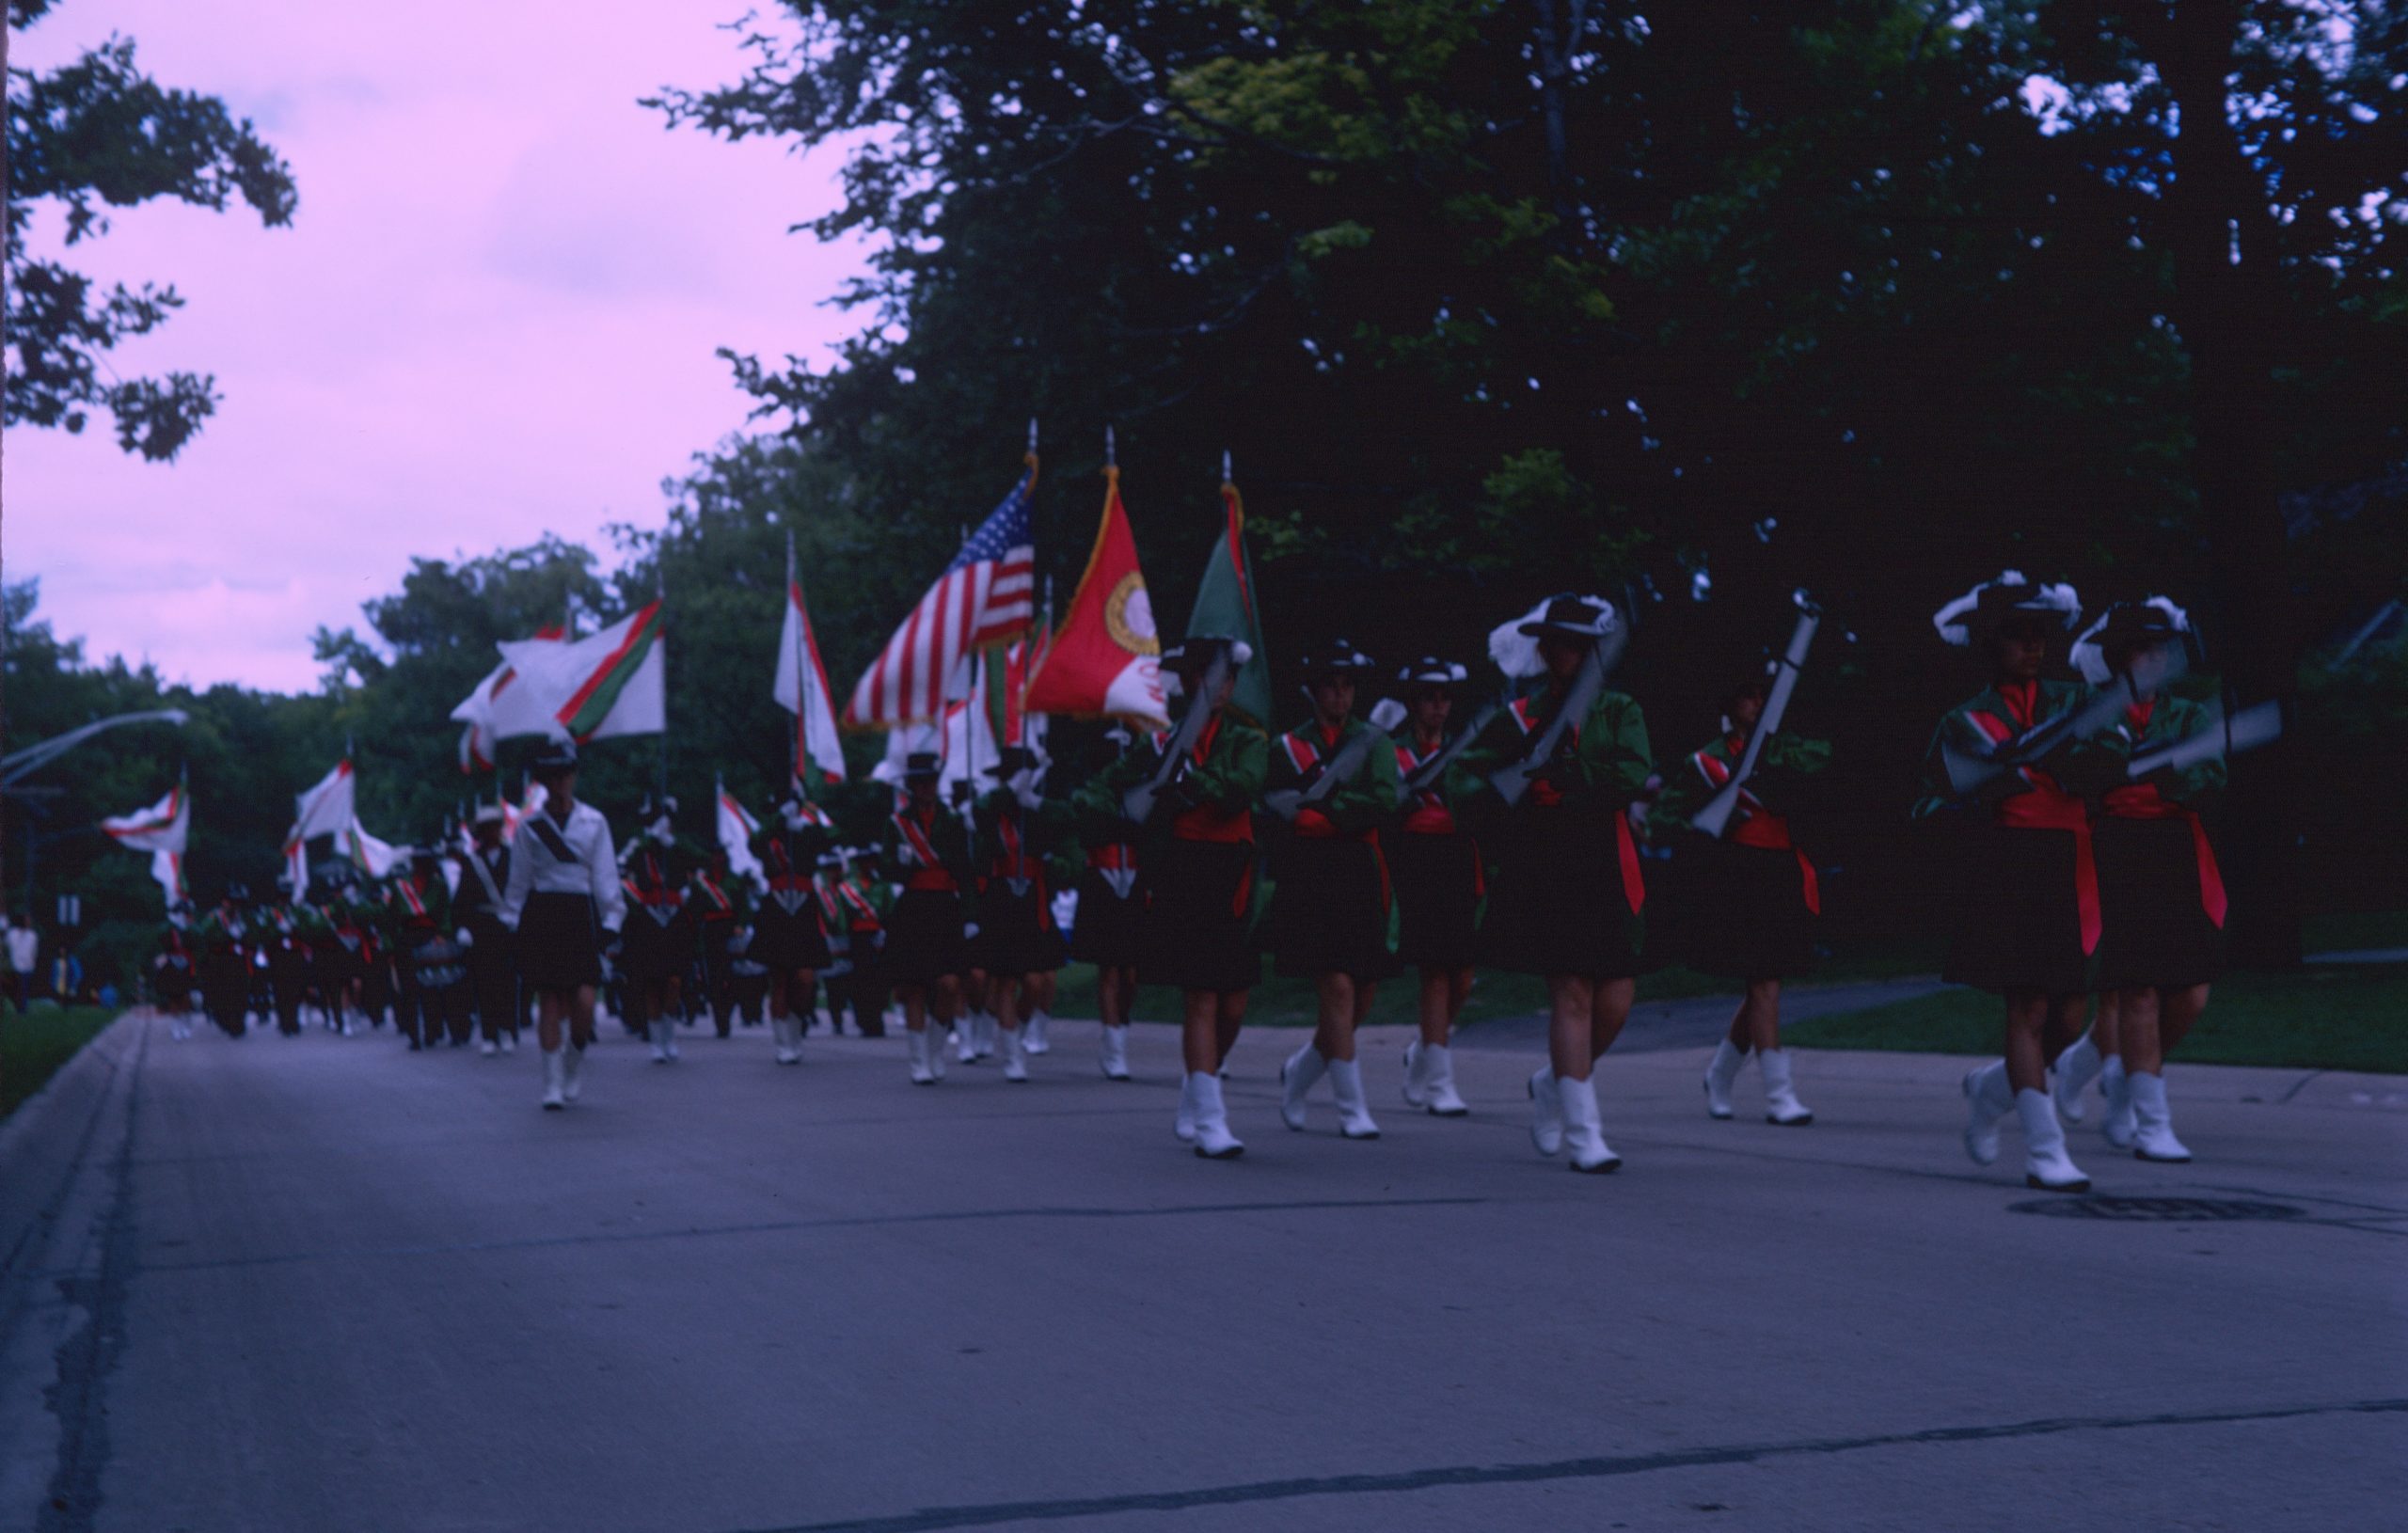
column 24, row 957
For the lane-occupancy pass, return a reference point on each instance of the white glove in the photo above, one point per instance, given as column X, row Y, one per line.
column 463, row 937
column 969, row 930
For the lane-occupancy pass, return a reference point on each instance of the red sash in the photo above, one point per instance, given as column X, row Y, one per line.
column 1546, row 795
column 2142, row 801
column 1112, row 856
column 864, row 914
column 931, row 872
column 715, row 905
column 2045, row 806
column 1756, row 825
column 1203, row 822
column 1429, row 814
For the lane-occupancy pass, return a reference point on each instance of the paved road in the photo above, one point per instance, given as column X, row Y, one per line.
column 1695, row 1022
column 326, row 1285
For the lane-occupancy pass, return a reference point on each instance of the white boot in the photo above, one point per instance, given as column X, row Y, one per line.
column 1184, row 1125
column 2153, row 1121
column 1546, row 1112
column 2046, row 1165
column 574, row 1080
column 2117, row 1124
column 786, row 1034
column 1438, row 1067
column 1417, row 1088
column 965, row 1039
column 1296, row 1077
column 1213, row 1141
column 658, row 1033
column 935, row 1046
column 1033, row 1038
column 1719, row 1073
column 1114, row 1055
column 510, row 1041
column 1583, row 1129
column 1354, row 1119
column 2074, row 1070
column 669, row 1035
column 1782, row 1105
column 920, row 1042
column 983, row 1028
column 489, row 1047
column 1015, row 1057
column 1988, row 1098
column 555, row 1080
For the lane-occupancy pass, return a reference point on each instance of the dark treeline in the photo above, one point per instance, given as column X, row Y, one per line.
column 1691, row 306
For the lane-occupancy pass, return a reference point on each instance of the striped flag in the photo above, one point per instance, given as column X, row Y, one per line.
column 801, row 686
column 586, row 688
column 986, row 595
column 162, row 827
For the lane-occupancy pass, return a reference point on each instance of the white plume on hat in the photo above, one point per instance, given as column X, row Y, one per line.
column 2089, row 657
column 1954, row 621
column 1517, row 653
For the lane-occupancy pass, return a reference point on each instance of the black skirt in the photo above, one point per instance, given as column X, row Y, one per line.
column 1329, row 910
column 653, row 951
column 2155, row 929
column 1558, row 904
column 560, row 943
column 924, row 938
column 1016, row 931
column 1437, row 897
column 1747, row 915
column 1109, row 930
column 2018, row 924
column 1199, row 916
column 784, row 941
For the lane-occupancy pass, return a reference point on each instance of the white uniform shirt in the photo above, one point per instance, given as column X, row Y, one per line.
column 593, row 867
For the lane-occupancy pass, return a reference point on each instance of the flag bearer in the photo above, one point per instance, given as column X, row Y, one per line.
column 927, row 950
column 226, row 941
column 564, row 900
column 721, row 904
column 1200, row 863
column 493, row 975
column 1109, row 932
column 789, row 938
column 1019, row 944
column 434, row 977
column 174, row 970
column 287, row 944
column 1435, row 863
column 657, row 949
column 1758, row 897
column 858, row 899
column 2161, row 890
column 2027, row 920
column 1569, row 899
column 1330, row 903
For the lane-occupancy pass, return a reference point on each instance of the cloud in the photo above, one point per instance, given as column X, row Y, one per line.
column 495, row 316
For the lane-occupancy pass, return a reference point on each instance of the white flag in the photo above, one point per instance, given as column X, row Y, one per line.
column 168, row 869
column 802, row 685
column 736, row 828
column 162, row 827
column 615, row 683
column 326, row 809
column 375, row 858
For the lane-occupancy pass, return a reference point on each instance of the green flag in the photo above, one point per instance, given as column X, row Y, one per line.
column 1225, row 608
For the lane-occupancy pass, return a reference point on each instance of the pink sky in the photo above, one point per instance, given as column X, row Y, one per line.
column 492, row 317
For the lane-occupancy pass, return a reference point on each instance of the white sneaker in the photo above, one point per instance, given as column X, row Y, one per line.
column 1032, row 1033
column 1015, row 1057
column 921, row 1075
column 1297, row 1074
column 1438, row 1073
column 1782, row 1105
column 1184, row 1125
column 1721, row 1072
column 2073, row 1071
column 1354, row 1119
column 1416, row 1089
column 574, row 1081
column 2046, row 1165
column 1114, row 1053
column 1546, row 1112
column 555, row 1080
column 1583, row 1130
column 1988, row 1098
column 2117, row 1123
column 2153, row 1122
column 1213, row 1141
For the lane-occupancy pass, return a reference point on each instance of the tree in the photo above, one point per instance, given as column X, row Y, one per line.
column 95, row 136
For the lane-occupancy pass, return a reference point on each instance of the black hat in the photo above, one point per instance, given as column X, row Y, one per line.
column 1336, row 658
column 655, row 805
column 1010, row 759
column 2147, row 622
column 488, row 814
column 922, row 763
column 1197, row 651
column 1430, row 671
column 237, row 894
column 1983, row 611
column 1570, row 615
column 557, row 758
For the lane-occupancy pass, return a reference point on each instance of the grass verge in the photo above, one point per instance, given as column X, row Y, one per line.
column 2335, row 1017
column 34, row 1045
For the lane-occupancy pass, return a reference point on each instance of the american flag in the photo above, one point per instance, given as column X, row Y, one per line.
column 986, row 595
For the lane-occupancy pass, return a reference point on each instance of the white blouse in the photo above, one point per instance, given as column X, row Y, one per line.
column 592, row 867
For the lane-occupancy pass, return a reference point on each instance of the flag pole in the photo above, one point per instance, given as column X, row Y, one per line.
column 802, row 686
column 660, row 596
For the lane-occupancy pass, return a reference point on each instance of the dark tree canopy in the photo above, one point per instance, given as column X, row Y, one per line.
column 95, row 136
